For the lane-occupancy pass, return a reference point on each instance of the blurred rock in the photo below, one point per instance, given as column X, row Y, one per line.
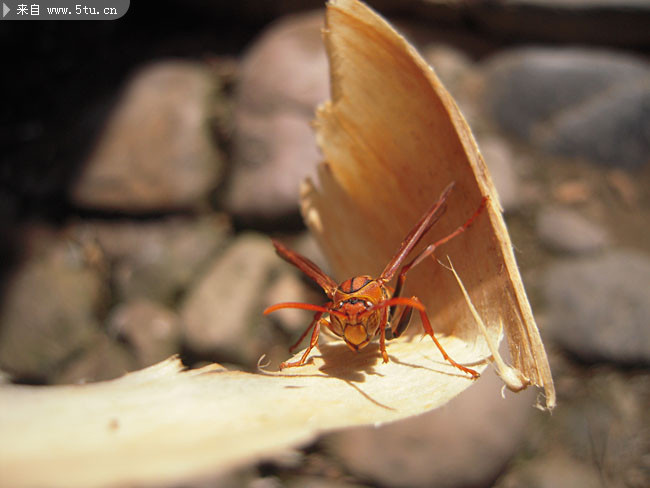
column 465, row 443
column 275, row 153
column 461, row 77
column 284, row 77
column 450, row 64
column 565, row 230
column 238, row 477
column 572, row 192
column 5, row 378
column 222, row 312
column 285, row 66
column 603, row 22
column 265, row 482
column 613, row 129
column 104, row 360
column 306, row 244
column 598, row 307
column 323, row 482
column 151, row 330
column 529, row 86
column 156, row 259
column 552, row 472
column 539, row 94
column 49, row 313
column 500, row 161
column 289, row 286
column 627, row 187
column 601, row 423
column 156, row 152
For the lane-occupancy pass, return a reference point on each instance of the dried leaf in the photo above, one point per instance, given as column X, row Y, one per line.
column 393, row 138
column 163, row 425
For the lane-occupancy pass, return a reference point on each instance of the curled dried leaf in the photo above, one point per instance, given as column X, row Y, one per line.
column 393, row 138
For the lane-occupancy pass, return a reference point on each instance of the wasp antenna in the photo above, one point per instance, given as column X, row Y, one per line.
column 409, row 302
column 303, row 306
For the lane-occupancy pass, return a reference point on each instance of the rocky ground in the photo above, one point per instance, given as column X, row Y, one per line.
column 166, row 249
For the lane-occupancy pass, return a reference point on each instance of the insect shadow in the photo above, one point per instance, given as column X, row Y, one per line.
column 352, row 368
column 433, row 368
column 340, row 362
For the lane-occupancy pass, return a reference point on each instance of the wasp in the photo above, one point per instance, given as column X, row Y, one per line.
column 362, row 307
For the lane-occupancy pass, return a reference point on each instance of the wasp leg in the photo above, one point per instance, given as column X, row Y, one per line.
column 316, row 318
column 312, row 343
column 425, row 223
column 428, row 251
column 382, row 337
column 403, row 322
column 429, row 331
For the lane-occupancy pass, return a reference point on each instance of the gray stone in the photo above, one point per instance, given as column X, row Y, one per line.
column 49, row 313
column 565, row 230
column 325, row 481
column 600, row 424
column 151, row 330
column 289, row 287
column 460, row 76
column 613, row 130
column 222, row 313
column 156, row 153
column 273, row 154
column 450, row 64
column 157, row 259
column 465, row 443
column 552, row 472
column 103, row 360
column 285, row 66
column 527, row 89
column 598, row 307
column 500, row 161
column 5, row 378
column 284, row 76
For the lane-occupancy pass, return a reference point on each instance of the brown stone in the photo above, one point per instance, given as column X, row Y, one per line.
column 156, row 152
